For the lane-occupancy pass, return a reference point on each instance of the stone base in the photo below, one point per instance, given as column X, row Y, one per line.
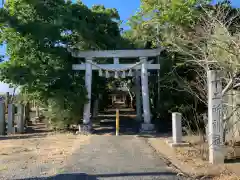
column 12, row 130
column 178, row 144
column 85, row 129
column 216, row 155
column 147, row 128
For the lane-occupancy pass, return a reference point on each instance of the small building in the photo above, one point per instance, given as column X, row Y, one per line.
column 118, row 97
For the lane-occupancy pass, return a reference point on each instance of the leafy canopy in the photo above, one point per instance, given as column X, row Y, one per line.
column 37, row 34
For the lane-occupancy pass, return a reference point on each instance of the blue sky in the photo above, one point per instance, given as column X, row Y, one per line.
column 125, row 11
column 235, row 3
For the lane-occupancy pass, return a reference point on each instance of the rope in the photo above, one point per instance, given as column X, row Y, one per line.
column 114, row 70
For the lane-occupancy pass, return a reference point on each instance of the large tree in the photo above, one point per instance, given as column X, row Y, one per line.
column 38, row 34
column 196, row 36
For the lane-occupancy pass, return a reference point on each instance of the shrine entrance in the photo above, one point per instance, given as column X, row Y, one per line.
column 117, row 70
column 118, row 97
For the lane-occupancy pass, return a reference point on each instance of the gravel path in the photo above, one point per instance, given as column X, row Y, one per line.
column 114, row 158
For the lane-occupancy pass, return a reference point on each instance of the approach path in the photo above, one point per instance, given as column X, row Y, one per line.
column 101, row 156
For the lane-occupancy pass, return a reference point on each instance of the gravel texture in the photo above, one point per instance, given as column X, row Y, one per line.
column 124, row 157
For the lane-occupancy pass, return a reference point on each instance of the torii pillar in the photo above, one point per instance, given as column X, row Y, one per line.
column 147, row 125
column 87, row 125
column 138, row 96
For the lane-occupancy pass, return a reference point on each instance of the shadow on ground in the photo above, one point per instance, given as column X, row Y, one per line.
column 107, row 125
column 83, row 176
column 234, row 160
column 36, row 130
column 128, row 126
column 25, row 136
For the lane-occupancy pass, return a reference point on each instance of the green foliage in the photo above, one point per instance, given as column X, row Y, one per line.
column 154, row 19
column 37, row 33
column 156, row 16
column 179, row 12
column 176, row 25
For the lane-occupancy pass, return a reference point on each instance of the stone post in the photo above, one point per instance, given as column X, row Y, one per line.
column 27, row 114
column 177, row 131
column 87, row 107
column 177, row 127
column 11, row 116
column 20, row 119
column 138, row 97
column 2, row 118
column 7, row 101
column 215, row 125
column 37, row 111
column 146, row 126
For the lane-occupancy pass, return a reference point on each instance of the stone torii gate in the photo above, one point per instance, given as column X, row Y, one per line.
column 118, row 69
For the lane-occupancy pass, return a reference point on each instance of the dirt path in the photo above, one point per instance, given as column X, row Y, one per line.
column 123, row 157
column 37, row 155
column 95, row 157
column 82, row 157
